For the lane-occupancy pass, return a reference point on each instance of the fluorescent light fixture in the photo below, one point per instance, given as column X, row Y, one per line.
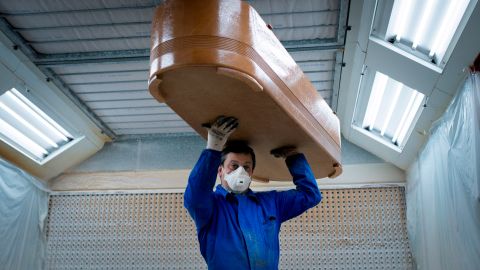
column 396, row 95
column 403, row 11
column 404, row 117
column 424, row 21
column 442, row 38
column 374, row 101
column 28, row 129
column 27, row 124
column 20, row 139
column 425, row 26
column 411, row 111
column 391, row 110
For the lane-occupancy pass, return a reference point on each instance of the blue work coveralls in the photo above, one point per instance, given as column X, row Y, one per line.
column 240, row 231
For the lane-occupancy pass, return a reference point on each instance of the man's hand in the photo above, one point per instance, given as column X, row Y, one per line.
column 284, row 151
column 219, row 131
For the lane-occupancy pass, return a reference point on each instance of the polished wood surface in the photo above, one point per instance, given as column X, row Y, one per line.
column 218, row 57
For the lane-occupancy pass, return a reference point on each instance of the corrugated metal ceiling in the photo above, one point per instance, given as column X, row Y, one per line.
column 97, row 52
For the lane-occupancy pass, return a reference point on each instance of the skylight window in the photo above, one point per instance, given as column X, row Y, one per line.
column 391, row 111
column 422, row 27
column 28, row 129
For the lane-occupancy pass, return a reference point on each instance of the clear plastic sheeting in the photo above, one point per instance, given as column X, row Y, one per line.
column 443, row 203
column 23, row 209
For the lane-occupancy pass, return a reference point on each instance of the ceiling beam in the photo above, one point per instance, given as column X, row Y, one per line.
column 92, row 57
column 17, row 39
column 337, row 77
column 342, row 21
column 144, row 54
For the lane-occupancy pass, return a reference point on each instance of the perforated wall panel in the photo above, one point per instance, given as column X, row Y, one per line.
column 350, row 229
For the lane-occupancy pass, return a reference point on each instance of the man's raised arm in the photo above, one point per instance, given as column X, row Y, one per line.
column 198, row 198
column 292, row 203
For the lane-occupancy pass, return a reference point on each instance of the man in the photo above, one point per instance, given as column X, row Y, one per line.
column 236, row 227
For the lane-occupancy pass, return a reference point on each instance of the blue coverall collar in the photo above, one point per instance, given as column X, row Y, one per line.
column 222, row 191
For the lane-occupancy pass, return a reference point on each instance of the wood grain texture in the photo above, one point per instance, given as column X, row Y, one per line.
column 354, row 175
column 216, row 57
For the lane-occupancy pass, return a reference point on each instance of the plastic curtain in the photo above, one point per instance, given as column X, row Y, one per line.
column 443, row 186
column 23, row 209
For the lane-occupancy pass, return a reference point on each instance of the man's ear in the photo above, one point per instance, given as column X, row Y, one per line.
column 219, row 171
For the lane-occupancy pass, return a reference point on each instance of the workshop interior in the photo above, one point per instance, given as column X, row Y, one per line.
column 103, row 108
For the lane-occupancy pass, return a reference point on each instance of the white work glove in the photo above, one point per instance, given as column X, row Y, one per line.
column 219, row 131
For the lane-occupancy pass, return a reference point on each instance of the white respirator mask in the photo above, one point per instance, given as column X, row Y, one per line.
column 238, row 180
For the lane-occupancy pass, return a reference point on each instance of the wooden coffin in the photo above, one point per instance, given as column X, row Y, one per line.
column 218, row 57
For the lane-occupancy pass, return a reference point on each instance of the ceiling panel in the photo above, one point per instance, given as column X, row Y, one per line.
column 319, row 75
column 313, row 55
column 293, row 6
column 92, row 45
column 302, row 33
column 108, row 96
column 134, row 111
column 39, row 6
column 299, row 19
column 77, row 18
column 111, row 104
column 101, row 67
column 111, row 86
column 311, row 66
column 141, row 118
column 117, row 30
column 323, row 85
column 106, row 76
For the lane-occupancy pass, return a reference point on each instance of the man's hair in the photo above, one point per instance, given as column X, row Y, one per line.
column 238, row 147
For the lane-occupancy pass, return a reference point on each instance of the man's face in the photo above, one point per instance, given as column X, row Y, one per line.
column 232, row 162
